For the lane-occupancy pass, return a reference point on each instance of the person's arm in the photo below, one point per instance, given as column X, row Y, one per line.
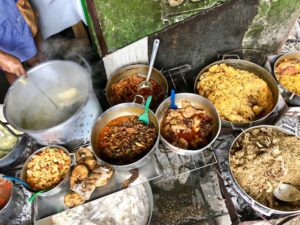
column 11, row 64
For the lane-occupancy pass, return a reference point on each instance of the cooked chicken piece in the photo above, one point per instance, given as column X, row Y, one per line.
column 73, row 199
column 83, row 153
column 182, row 143
column 178, row 127
column 90, row 163
column 188, row 124
column 79, row 173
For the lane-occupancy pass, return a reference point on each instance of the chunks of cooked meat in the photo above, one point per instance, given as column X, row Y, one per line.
column 83, row 153
column 187, row 127
column 73, row 199
column 79, row 173
column 126, row 89
column 86, row 176
column 86, row 157
column 125, row 140
column 239, row 95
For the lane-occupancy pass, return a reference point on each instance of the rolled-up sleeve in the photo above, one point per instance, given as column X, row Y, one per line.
column 15, row 35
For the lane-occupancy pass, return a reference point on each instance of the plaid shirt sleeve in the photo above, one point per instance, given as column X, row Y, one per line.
column 15, row 35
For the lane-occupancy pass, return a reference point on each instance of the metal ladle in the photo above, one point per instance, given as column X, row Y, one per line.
column 24, row 81
column 146, row 84
column 286, row 193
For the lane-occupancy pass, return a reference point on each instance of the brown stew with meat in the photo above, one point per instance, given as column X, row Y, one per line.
column 125, row 140
column 187, row 127
column 127, row 88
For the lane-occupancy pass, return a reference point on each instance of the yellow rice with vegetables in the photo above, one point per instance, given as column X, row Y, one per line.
column 47, row 168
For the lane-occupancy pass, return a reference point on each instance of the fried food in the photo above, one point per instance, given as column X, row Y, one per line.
column 86, row 187
column 288, row 74
column 83, row 153
column 47, row 168
column 79, row 173
column 73, row 199
column 90, row 163
column 102, row 174
column 86, row 157
column 239, row 96
column 125, row 140
column 262, row 158
column 187, row 127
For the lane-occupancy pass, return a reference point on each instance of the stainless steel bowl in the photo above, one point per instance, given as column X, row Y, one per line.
column 123, row 109
column 199, row 102
column 63, row 183
column 289, row 96
column 257, row 70
column 134, row 70
column 255, row 204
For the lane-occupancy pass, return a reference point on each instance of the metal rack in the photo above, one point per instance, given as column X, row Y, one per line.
column 177, row 166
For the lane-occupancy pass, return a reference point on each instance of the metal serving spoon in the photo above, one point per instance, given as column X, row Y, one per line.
column 24, row 81
column 146, row 84
column 286, row 193
column 145, row 117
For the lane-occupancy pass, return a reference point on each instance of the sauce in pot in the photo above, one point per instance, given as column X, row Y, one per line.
column 5, row 192
column 126, row 89
column 125, row 140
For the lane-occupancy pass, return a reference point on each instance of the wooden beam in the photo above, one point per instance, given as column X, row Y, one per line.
column 96, row 23
column 79, row 31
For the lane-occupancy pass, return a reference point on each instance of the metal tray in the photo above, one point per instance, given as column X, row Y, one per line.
column 48, row 221
column 49, row 205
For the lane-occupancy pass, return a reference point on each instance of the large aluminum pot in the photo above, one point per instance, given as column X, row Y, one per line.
column 7, row 212
column 199, row 102
column 55, row 105
column 63, row 184
column 264, row 210
column 134, row 70
column 289, row 96
column 116, row 111
column 257, row 70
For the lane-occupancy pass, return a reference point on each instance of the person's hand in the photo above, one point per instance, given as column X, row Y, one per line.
column 11, row 64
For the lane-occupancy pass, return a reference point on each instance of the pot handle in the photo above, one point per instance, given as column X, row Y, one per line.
column 5, row 124
column 260, row 209
column 230, row 56
column 73, row 159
